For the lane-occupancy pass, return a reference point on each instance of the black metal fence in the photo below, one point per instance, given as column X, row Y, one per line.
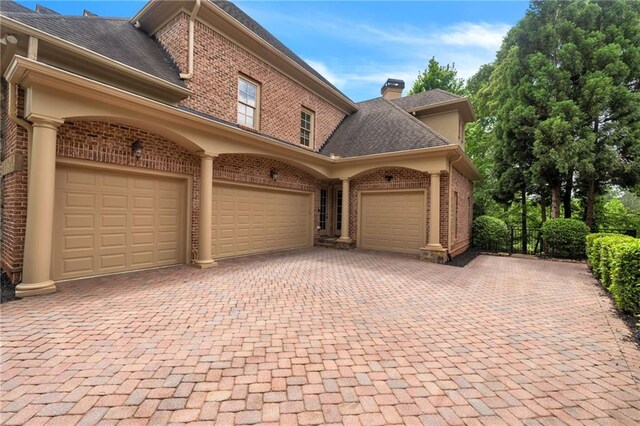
column 531, row 241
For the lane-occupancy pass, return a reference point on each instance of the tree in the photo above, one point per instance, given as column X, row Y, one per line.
column 565, row 95
column 437, row 76
column 480, row 142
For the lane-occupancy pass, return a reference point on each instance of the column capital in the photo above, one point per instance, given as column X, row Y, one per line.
column 206, row 154
column 436, row 173
column 40, row 120
column 345, row 178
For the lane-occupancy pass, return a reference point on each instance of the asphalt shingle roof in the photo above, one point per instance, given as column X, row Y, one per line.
column 423, row 99
column 237, row 13
column 115, row 38
column 380, row 126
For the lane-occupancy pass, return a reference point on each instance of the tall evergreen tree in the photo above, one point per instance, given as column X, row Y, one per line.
column 438, row 76
column 566, row 98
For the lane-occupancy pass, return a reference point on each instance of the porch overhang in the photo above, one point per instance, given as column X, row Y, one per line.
column 56, row 93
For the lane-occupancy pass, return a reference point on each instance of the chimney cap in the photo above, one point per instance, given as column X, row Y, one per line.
column 393, row 83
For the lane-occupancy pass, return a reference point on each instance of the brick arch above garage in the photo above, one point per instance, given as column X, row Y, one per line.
column 256, row 169
column 110, row 143
column 402, row 178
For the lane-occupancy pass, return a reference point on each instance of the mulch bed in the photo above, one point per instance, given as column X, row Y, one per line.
column 7, row 290
column 629, row 319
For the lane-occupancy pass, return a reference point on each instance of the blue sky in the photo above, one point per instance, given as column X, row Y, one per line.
column 357, row 45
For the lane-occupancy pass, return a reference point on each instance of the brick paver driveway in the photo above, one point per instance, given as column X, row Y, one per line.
column 323, row 336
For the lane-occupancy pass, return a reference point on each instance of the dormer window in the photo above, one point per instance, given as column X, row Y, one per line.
column 248, row 96
column 306, row 128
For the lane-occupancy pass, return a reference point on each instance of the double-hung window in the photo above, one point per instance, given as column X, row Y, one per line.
column 247, row 103
column 306, row 128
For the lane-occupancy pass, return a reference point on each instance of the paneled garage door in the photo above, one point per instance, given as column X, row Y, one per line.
column 107, row 222
column 250, row 220
column 393, row 221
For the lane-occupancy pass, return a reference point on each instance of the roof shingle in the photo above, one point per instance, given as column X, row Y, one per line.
column 380, row 126
column 115, row 38
column 424, row 99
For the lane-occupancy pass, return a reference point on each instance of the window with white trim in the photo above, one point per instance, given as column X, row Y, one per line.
column 306, row 128
column 247, row 103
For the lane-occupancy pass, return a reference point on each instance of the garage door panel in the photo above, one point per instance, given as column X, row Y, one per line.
column 78, row 242
column 113, row 240
column 393, row 221
column 80, row 200
column 78, row 221
column 140, row 202
column 253, row 220
column 79, row 265
column 107, row 227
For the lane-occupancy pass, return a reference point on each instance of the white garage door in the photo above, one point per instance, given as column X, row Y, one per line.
column 250, row 220
column 107, row 222
column 393, row 221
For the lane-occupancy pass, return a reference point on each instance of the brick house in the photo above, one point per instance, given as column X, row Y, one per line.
column 189, row 133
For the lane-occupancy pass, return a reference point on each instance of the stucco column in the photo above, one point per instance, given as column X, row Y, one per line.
column 204, row 259
column 36, row 270
column 434, row 213
column 344, row 229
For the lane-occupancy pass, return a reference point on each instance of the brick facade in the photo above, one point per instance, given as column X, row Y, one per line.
column 218, row 64
column 111, row 143
column 461, row 217
column 402, row 179
column 214, row 86
column 14, row 191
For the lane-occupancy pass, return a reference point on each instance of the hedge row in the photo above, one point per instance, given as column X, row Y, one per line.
column 615, row 260
column 565, row 237
column 489, row 233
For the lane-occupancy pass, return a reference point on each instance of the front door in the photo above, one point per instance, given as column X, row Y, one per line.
column 323, row 212
column 338, row 211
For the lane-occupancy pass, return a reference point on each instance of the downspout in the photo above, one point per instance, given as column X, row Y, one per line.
column 192, row 26
column 449, row 241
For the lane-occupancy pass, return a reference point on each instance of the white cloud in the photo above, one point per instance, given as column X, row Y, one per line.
column 327, row 73
column 468, row 34
column 368, row 53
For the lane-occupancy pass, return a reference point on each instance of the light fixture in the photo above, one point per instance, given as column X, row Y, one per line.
column 389, row 178
column 274, row 174
column 136, row 148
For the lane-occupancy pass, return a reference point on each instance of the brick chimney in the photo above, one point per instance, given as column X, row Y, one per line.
column 392, row 89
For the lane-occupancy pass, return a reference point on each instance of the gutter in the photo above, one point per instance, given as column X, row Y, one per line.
column 192, row 20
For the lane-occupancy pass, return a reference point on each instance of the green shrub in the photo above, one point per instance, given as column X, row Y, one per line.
column 590, row 247
column 565, row 237
column 625, row 275
column 605, row 247
column 489, row 233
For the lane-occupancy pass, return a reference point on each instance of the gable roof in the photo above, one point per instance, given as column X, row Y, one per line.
column 11, row 6
column 115, row 38
column 248, row 22
column 380, row 126
column 424, row 99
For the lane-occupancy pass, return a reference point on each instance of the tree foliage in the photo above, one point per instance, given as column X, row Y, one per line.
column 438, row 76
column 565, row 95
